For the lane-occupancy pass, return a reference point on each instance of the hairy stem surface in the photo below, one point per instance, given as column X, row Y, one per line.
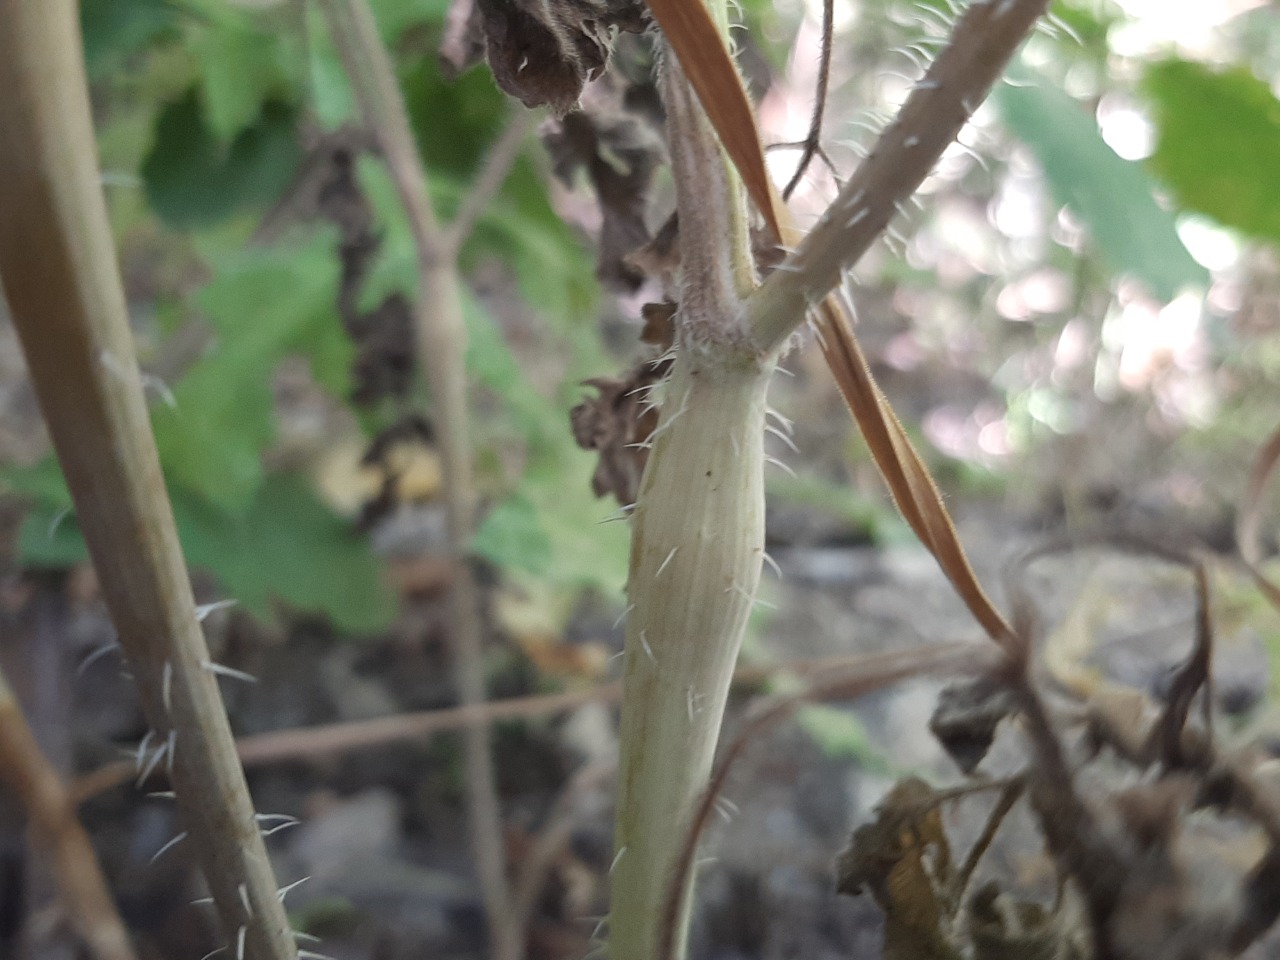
column 696, row 552
column 697, row 540
column 60, row 277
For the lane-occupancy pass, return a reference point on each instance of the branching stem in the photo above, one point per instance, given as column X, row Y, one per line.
column 442, row 342
column 497, row 165
column 813, row 140
column 983, row 40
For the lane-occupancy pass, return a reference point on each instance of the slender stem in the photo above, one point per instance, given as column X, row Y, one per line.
column 441, row 352
column 813, row 140
column 334, row 739
column 58, row 835
column 497, row 165
column 984, row 38
column 555, row 836
column 59, row 273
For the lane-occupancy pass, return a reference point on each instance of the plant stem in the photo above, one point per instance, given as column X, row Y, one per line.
column 442, row 339
column 984, row 38
column 697, row 535
column 334, row 739
column 497, row 165
column 59, row 274
column 58, row 835
column 697, row 548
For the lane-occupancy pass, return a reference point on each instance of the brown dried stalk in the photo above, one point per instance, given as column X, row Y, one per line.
column 59, row 273
column 813, row 139
column 441, row 352
column 334, row 739
column 56, row 833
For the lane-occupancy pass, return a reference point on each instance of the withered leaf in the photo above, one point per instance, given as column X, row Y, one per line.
column 659, row 324
column 660, row 257
column 619, row 152
column 966, row 717
column 545, row 51
column 904, row 860
column 1002, row 928
column 615, row 423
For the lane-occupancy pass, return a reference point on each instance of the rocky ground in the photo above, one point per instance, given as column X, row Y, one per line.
column 380, row 831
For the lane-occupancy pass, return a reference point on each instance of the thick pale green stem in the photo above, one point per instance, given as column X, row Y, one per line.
column 696, row 551
column 697, row 535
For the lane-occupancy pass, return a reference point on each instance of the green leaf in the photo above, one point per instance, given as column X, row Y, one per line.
column 192, row 180
column 396, row 16
column 1088, row 22
column 49, row 537
column 264, row 304
column 512, row 536
column 332, row 98
column 1218, row 143
column 1111, row 196
column 453, row 122
column 116, row 30
column 41, row 482
column 241, row 67
column 288, row 547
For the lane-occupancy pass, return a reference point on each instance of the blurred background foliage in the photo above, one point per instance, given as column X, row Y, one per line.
column 1084, row 301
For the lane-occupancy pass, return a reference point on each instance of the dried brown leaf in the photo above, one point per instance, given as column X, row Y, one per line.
column 1172, row 743
column 616, row 423
column 966, row 716
column 660, row 257
column 619, row 151
column 545, row 51
column 1001, row 927
column 904, row 860
column 659, row 325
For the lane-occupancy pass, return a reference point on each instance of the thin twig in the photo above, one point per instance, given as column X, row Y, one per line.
column 497, row 165
column 334, row 739
column 1010, row 791
column 441, row 353
column 813, row 140
column 58, row 835
column 59, row 273
column 554, row 837
column 874, row 673
column 984, row 38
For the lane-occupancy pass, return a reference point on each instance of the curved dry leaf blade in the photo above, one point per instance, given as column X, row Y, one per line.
column 1193, row 676
column 912, row 487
